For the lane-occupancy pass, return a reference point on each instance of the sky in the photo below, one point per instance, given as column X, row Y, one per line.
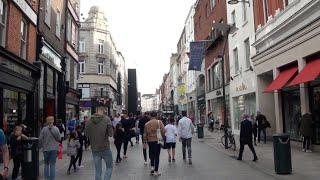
column 146, row 32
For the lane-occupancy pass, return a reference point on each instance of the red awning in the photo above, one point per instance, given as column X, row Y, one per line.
column 281, row 80
column 309, row 73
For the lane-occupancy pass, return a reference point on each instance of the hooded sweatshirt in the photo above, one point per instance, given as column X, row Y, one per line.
column 99, row 129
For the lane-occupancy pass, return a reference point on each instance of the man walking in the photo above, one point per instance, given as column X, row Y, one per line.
column 246, row 137
column 185, row 131
column 98, row 130
column 142, row 122
column 262, row 126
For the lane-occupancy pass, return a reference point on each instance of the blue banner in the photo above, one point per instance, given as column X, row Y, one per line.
column 196, row 55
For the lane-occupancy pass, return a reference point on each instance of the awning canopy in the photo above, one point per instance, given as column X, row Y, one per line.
column 309, row 73
column 281, row 80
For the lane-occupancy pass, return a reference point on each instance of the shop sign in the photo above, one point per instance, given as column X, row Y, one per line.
column 51, row 57
column 218, row 93
column 241, row 87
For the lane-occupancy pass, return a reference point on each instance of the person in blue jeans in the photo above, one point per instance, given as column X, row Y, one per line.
column 100, row 145
column 5, row 155
column 49, row 140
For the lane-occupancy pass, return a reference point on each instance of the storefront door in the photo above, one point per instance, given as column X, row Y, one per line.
column 315, row 110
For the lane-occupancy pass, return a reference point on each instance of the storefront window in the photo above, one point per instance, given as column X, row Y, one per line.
column 49, row 80
column 292, row 112
column 245, row 104
column 316, row 112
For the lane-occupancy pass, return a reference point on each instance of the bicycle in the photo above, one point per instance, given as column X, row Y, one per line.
column 231, row 140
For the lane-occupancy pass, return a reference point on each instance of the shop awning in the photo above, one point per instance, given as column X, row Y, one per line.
column 281, row 80
column 309, row 73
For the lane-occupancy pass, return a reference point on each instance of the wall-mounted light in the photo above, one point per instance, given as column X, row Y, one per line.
column 231, row 2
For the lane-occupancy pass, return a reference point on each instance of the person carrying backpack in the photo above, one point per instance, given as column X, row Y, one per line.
column 263, row 124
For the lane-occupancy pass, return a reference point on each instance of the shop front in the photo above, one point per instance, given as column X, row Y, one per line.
column 72, row 104
column 18, row 93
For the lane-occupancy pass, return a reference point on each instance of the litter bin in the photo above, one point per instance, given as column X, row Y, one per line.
column 200, row 130
column 282, row 154
column 30, row 158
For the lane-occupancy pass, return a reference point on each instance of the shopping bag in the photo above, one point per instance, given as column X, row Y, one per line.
column 60, row 151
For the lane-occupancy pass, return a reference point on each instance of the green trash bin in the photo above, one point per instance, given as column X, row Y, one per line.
column 200, row 130
column 282, row 154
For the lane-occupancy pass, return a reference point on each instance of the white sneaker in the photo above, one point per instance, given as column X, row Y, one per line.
column 145, row 163
column 81, row 166
column 308, row 151
column 303, row 150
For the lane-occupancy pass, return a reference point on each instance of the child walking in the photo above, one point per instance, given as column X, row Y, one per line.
column 81, row 139
column 73, row 145
column 118, row 140
column 171, row 133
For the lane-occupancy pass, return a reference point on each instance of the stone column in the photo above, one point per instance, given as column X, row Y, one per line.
column 278, row 106
column 304, row 93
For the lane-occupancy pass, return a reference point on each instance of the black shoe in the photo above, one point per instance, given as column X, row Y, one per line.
column 255, row 159
column 239, row 159
column 173, row 160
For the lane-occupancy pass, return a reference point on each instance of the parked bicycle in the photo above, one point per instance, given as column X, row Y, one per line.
column 231, row 140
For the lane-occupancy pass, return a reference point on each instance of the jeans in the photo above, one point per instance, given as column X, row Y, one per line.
column 264, row 135
column 50, row 158
column 106, row 155
column 306, row 141
column 186, row 143
column 154, row 153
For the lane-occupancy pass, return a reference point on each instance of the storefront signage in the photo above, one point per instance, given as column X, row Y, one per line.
column 218, row 93
column 53, row 59
column 25, row 7
column 241, row 87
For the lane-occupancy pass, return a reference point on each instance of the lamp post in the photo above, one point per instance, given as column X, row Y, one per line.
column 231, row 2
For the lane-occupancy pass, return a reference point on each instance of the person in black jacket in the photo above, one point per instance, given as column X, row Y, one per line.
column 142, row 122
column 81, row 139
column 126, row 124
column 246, row 137
column 16, row 147
column 118, row 140
column 262, row 126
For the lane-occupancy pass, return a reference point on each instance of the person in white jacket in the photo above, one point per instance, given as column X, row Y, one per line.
column 185, row 131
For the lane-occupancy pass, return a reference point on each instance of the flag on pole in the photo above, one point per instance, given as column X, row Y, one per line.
column 196, row 55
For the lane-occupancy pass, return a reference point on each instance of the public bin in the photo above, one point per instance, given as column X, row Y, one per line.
column 30, row 158
column 200, row 130
column 282, row 154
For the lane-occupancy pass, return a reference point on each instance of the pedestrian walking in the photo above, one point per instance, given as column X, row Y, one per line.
column 49, row 140
column 246, row 137
column 263, row 124
column 142, row 123
column 171, row 134
column 153, row 133
column 306, row 130
column 16, row 147
column 118, row 140
column 81, row 139
column 98, row 130
column 127, row 134
column 254, row 129
column 5, row 155
column 72, row 123
column 185, row 131
column 62, row 129
column 116, row 120
column 137, row 130
column 73, row 145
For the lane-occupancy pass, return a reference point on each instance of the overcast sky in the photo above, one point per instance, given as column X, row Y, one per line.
column 146, row 32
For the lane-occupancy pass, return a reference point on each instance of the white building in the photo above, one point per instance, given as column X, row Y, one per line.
column 149, row 102
column 243, row 78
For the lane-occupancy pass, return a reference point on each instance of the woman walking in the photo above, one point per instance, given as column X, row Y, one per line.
column 171, row 134
column 16, row 147
column 73, row 145
column 49, row 140
column 153, row 133
column 81, row 138
column 118, row 140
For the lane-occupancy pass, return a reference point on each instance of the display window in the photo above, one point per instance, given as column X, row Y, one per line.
column 245, row 104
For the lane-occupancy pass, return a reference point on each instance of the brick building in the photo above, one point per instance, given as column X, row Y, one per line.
column 207, row 12
column 19, row 71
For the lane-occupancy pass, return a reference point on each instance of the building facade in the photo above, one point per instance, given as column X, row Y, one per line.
column 206, row 13
column 97, row 64
column 287, row 48
column 19, row 69
column 243, row 78
column 133, row 92
column 149, row 102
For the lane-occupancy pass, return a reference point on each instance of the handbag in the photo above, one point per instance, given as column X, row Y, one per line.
column 159, row 136
column 60, row 151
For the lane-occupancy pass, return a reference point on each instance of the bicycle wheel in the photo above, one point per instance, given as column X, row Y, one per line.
column 233, row 142
column 223, row 140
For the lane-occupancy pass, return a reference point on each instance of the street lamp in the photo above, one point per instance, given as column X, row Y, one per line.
column 237, row 1
column 226, row 29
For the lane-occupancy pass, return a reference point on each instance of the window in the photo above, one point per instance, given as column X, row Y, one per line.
column 101, row 68
column 68, row 28
column 73, row 34
column 236, row 60
column 244, row 11
column 213, row 3
column 217, row 71
column 209, row 79
column 82, row 46
column 233, row 18
column 23, row 41
column 82, row 67
column 100, row 47
column 266, row 10
column 3, row 21
column 85, row 92
column 58, row 24
column 247, row 51
column 207, row 10
column 47, row 12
